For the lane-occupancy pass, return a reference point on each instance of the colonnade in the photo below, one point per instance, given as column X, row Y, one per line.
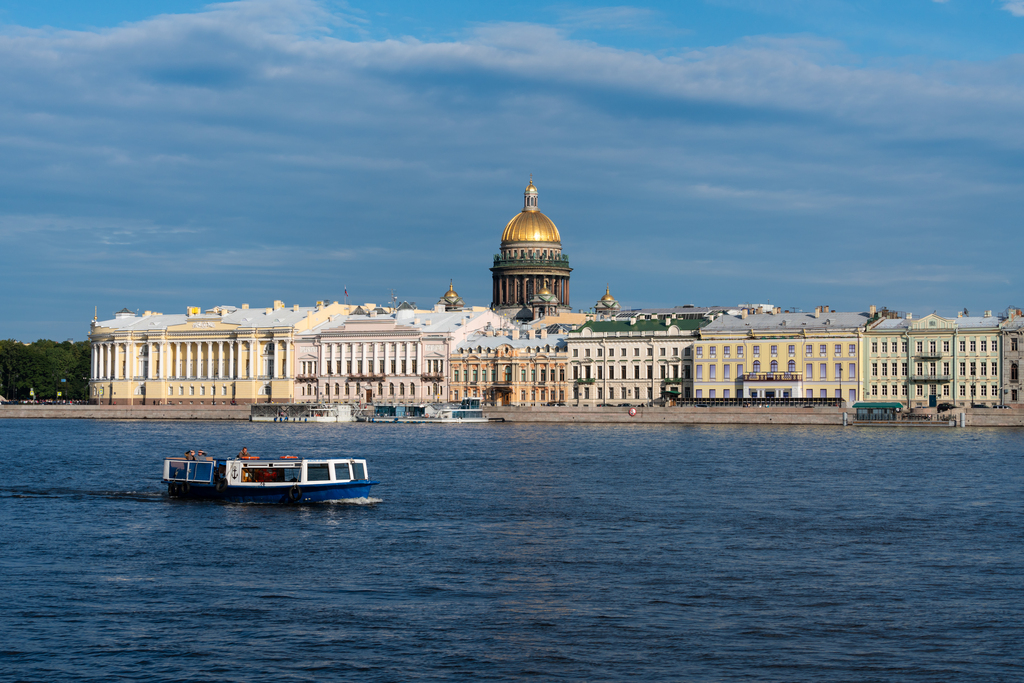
column 512, row 290
column 371, row 358
column 200, row 359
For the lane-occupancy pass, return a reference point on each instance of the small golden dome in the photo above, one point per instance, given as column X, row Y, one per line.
column 531, row 187
column 450, row 294
column 607, row 295
column 544, row 290
column 530, row 226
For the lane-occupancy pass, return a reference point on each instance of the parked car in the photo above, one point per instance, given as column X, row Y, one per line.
column 943, row 407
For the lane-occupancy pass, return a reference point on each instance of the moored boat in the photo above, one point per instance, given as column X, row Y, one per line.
column 274, row 480
column 468, row 410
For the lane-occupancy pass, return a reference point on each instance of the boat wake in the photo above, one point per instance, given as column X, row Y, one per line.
column 355, row 501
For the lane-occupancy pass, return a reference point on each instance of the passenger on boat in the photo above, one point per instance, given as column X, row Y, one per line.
column 190, row 455
column 244, row 453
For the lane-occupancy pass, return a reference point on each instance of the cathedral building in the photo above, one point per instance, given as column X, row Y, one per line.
column 531, row 274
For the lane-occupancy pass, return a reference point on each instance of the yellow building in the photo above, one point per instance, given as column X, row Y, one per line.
column 209, row 357
column 780, row 356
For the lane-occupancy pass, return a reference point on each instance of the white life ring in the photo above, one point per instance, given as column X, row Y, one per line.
column 632, row 412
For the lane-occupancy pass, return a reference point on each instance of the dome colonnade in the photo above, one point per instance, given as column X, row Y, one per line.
column 531, row 261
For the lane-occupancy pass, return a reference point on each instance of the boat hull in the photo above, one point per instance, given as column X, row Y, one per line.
column 307, row 493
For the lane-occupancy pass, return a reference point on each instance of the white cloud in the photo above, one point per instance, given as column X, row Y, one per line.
column 1014, row 7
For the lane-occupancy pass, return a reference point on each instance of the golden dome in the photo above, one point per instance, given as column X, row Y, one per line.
column 607, row 295
column 450, row 294
column 530, row 226
column 531, row 185
column 544, row 290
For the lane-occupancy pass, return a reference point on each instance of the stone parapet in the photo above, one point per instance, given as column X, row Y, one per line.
column 193, row 412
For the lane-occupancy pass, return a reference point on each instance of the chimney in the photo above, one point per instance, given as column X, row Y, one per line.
column 817, row 311
column 872, row 310
column 826, row 309
column 632, row 321
column 988, row 314
column 544, row 333
column 743, row 314
column 910, row 316
column 778, row 309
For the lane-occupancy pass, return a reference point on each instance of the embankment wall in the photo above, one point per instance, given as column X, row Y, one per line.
column 227, row 412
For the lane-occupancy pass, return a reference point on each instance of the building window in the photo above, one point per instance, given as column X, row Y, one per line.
column 575, row 353
column 974, row 369
column 757, row 350
column 839, row 349
column 699, row 353
column 699, row 393
column 792, row 349
column 711, row 393
column 711, row 371
column 700, row 372
column 792, row 366
column 920, row 390
column 984, row 345
column 852, row 350
column 874, row 369
column 739, row 352
column 1013, row 344
column 931, row 346
column 1014, row 373
column 775, row 366
column 809, row 371
column 823, row 350
column 945, row 390
column 974, row 346
column 662, row 351
column 920, row 347
column 725, row 371
column 725, row 351
column 963, row 390
column 775, row 350
column 757, row 366
column 885, row 390
column 874, row 390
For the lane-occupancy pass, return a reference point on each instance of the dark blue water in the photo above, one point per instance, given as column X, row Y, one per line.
column 506, row 552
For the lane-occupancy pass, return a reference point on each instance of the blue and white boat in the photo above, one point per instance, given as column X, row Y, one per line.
column 274, row 480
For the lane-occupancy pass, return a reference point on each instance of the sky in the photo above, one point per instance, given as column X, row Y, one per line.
column 156, row 154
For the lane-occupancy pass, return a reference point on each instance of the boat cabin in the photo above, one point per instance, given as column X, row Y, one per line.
column 262, row 472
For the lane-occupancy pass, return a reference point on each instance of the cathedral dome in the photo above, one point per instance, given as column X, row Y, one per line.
column 530, row 225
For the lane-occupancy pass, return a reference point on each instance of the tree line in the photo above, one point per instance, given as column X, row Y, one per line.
column 41, row 366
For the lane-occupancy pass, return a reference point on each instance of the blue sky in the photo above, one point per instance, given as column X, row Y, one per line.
column 157, row 155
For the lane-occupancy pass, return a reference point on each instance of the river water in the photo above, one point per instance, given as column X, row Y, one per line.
column 519, row 552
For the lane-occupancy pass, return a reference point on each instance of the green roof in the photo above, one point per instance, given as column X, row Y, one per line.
column 684, row 324
column 877, row 405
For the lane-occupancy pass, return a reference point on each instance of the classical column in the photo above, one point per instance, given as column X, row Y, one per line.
column 419, row 358
column 408, row 360
column 374, row 361
column 287, row 359
column 151, row 348
column 277, row 358
column 341, row 359
column 162, row 369
column 231, row 359
column 189, row 369
column 386, row 357
column 255, row 360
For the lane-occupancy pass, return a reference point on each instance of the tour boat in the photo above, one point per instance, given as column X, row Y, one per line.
column 249, row 479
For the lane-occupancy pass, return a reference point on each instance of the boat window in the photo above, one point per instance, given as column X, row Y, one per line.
column 271, row 475
column 200, row 471
column 357, row 471
column 177, row 469
column 318, row 473
column 341, row 471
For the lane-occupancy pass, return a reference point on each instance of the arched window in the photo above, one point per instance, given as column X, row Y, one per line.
column 775, row 366
column 1014, row 373
column 269, row 349
column 757, row 366
column 401, row 389
column 792, row 366
column 391, row 389
column 412, row 389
